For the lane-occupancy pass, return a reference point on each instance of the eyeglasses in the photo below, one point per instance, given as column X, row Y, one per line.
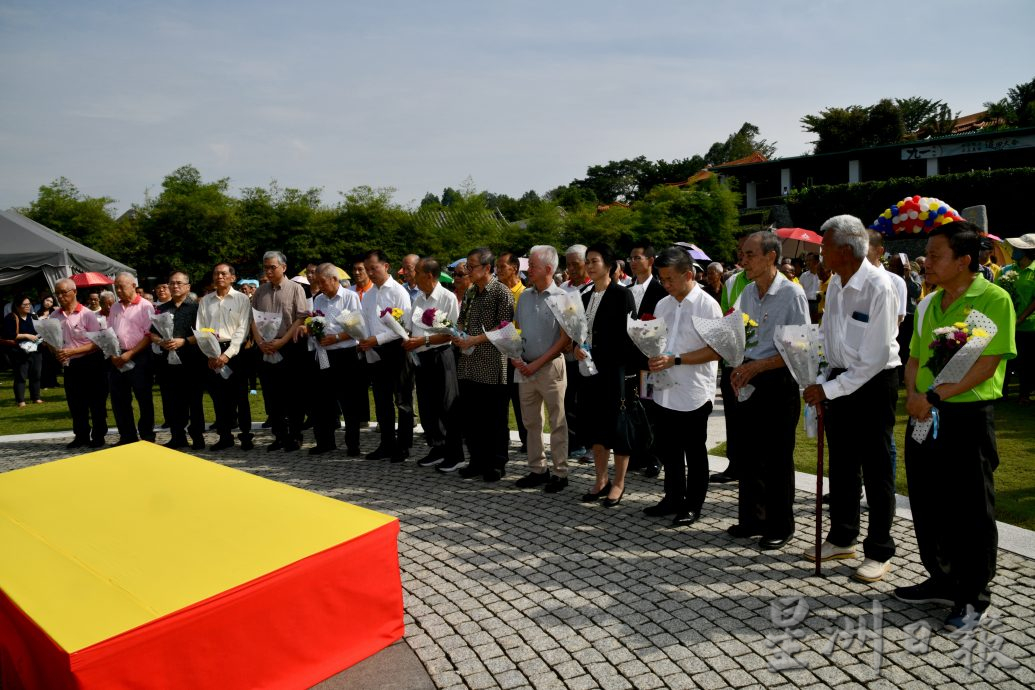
column 65, row 292
column 177, row 283
column 269, row 268
column 220, row 273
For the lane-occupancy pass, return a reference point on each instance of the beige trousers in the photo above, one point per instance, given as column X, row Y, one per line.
column 547, row 386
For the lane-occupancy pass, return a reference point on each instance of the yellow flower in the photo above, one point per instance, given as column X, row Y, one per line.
column 752, row 323
column 208, row 330
column 980, row 333
column 960, row 325
column 747, row 319
column 397, row 313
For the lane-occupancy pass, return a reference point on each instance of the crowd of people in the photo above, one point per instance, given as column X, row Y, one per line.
column 877, row 323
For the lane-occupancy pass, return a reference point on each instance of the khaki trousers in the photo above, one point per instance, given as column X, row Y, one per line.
column 547, row 386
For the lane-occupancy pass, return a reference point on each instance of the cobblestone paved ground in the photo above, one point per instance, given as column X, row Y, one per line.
column 509, row 588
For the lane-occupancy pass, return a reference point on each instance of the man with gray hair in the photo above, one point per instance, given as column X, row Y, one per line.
column 764, row 416
column 860, row 323
column 280, row 295
column 578, row 279
column 130, row 318
column 540, row 373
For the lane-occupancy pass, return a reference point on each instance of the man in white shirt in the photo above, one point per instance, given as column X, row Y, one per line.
column 578, row 279
column 679, row 414
column 859, row 326
column 338, row 393
column 437, row 386
column 392, row 377
column 810, row 282
column 229, row 313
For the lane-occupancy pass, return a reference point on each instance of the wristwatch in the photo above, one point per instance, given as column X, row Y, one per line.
column 933, row 397
column 427, row 340
column 679, row 360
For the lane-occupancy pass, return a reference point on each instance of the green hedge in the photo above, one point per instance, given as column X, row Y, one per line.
column 999, row 190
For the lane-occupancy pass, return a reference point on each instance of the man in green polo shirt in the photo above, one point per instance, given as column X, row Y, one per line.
column 1024, row 303
column 951, row 491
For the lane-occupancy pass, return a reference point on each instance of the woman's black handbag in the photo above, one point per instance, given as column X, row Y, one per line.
column 632, row 429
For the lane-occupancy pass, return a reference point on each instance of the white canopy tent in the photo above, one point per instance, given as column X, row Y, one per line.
column 28, row 248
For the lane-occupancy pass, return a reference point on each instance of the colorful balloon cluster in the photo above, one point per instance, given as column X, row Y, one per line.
column 914, row 215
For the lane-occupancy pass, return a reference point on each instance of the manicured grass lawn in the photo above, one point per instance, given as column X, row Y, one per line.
column 1014, row 479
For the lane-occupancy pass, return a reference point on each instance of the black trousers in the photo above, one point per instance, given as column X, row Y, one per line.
column 515, row 403
column 482, row 414
column 181, row 386
column 730, row 411
column 437, row 394
column 952, row 496
column 86, row 391
column 137, row 383
column 859, row 428
column 392, row 379
column 765, row 424
column 280, row 390
column 230, row 397
column 27, row 366
column 680, row 440
column 1025, row 362
column 336, row 396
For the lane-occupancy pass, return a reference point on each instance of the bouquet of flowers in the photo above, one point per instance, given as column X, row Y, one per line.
column 163, row 323
column 352, row 323
column 728, row 336
column 392, row 317
column 108, row 343
column 1008, row 281
column 268, row 323
column 316, row 324
column 507, row 339
column 650, row 336
column 208, row 343
column 434, row 320
column 750, row 331
column 49, row 331
column 571, row 315
column 801, row 347
column 955, row 350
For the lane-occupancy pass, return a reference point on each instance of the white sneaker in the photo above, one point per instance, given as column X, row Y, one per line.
column 871, row 570
column 830, row 552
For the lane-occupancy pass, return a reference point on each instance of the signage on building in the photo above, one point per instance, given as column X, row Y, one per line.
column 919, row 151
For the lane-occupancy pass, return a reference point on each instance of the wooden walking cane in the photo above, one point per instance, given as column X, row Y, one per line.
column 819, row 486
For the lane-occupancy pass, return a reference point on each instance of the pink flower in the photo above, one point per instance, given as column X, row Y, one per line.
column 428, row 317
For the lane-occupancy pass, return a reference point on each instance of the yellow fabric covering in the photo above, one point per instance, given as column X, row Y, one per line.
column 96, row 545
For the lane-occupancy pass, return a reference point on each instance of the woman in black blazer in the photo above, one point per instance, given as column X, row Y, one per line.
column 608, row 304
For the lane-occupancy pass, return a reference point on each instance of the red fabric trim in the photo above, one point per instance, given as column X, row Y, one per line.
column 29, row 659
column 136, row 299
column 293, row 627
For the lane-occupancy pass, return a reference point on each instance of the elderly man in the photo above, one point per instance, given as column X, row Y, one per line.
column 764, row 422
column 578, row 279
column 391, row 376
column 229, row 313
column 437, row 387
column 541, row 373
column 162, row 294
column 86, row 385
column 280, row 295
column 181, row 384
column 680, row 413
column 461, row 280
column 130, row 318
column 93, row 302
column 951, row 484
column 508, row 267
column 337, row 393
column 408, row 272
column 107, row 302
column 859, row 326
column 483, row 372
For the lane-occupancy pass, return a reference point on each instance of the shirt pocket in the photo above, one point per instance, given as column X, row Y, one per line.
column 854, row 334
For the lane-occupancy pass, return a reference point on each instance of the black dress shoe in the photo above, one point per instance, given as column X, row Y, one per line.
column 684, row 519
column 533, row 479
column 556, row 484
column 379, row 453
column 493, row 475
column 399, row 456
column 247, row 444
column 593, row 497
column 320, row 450
column 223, row 444
column 742, row 532
column 78, row 443
column 198, row 444
column 276, row 445
column 96, row 443
column 292, row 446
column 772, row 543
column 612, row 502
column 469, row 472
column 721, row 478
column 652, row 471
column 352, row 453
column 176, row 443
column 660, row 509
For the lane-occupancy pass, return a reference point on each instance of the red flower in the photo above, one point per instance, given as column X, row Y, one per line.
column 647, row 317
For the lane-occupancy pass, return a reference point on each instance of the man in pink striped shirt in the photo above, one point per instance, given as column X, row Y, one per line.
column 86, row 387
column 130, row 318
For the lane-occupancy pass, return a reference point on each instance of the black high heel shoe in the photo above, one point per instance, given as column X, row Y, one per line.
column 592, row 497
column 612, row 502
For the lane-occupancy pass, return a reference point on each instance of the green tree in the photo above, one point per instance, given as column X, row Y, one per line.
column 740, row 144
column 63, row 208
column 837, row 129
column 1017, row 109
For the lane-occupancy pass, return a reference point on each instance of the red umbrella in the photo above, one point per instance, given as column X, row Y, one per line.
column 799, row 235
column 91, row 279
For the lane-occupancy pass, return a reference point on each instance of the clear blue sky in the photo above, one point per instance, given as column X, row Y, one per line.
column 422, row 95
